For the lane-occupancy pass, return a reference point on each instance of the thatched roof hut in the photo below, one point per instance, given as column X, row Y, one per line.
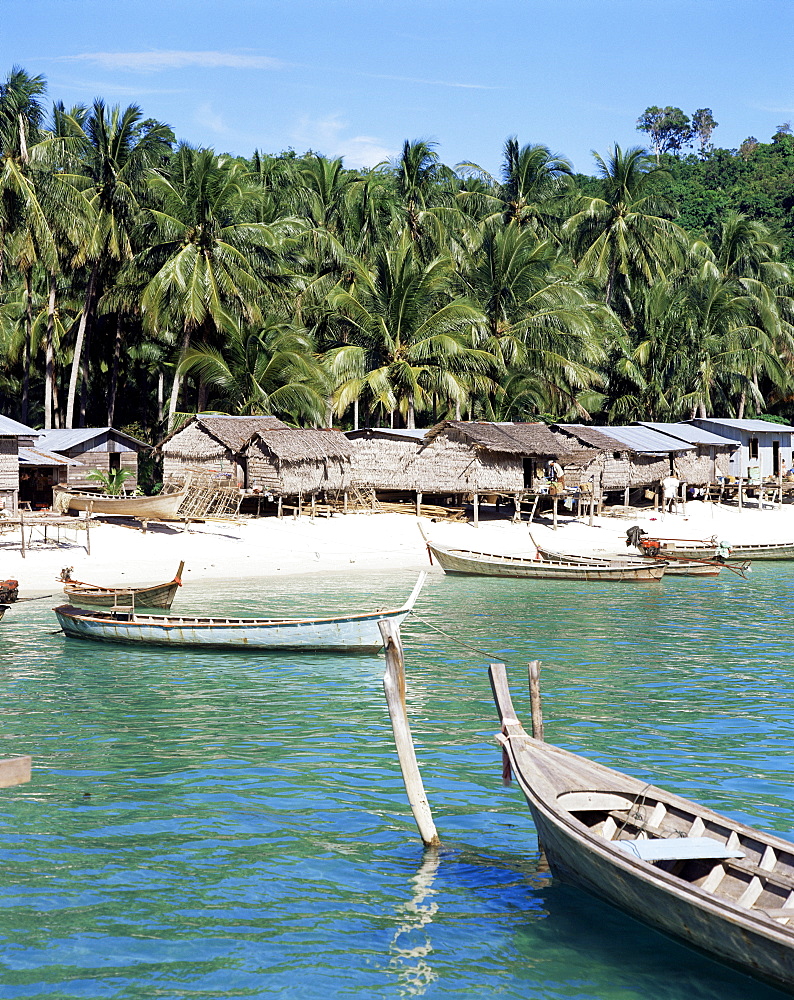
column 289, row 461
column 459, row 456
column 213, row 443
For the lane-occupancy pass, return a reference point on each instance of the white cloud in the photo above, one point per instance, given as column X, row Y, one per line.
column 208, row 118
column 329, row 136
column 431, row 83
column 147, row 62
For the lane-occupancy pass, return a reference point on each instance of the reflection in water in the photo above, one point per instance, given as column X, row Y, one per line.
column 409, row 946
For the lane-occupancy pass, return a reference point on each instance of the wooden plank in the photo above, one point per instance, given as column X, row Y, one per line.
column 14, row 771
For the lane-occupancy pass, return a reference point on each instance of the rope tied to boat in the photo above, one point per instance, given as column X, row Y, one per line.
column 441, row 631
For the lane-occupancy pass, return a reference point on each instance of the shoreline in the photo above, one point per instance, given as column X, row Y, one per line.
column 346, row 543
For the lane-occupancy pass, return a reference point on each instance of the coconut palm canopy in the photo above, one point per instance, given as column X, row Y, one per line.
column 145, row 276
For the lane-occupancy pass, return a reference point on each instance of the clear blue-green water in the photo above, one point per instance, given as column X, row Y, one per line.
column 235, row 825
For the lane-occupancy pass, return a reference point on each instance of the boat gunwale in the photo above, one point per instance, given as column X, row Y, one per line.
column 191, row 621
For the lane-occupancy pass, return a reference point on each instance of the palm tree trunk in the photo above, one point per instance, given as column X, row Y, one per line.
column 27, row 351
column 114, row 372
column 411, row 418
column 355, row 414
column 177, row 381
column 742, row 401
column 49, row 355
column 160, row 397
column 78, row 346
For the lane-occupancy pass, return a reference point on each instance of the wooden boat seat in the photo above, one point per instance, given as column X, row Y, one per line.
column 677, row 849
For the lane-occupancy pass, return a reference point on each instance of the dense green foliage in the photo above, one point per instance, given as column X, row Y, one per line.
column 142, row 279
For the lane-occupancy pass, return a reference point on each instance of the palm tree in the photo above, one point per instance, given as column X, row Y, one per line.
column 535, row 186
column 268, row 370
column 414, row 336
column 116, row 153
column 210, row 265
column 539, row 320
column 626, row 239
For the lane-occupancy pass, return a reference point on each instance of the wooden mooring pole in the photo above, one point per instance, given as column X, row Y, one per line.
column 394, row 687
column 534, row 699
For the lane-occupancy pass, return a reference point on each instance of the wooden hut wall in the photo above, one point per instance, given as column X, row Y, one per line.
column 77, row 475
column 9, row 472
column 194, row 448
column 384, row 463
column 700, row 467
column 451, row 463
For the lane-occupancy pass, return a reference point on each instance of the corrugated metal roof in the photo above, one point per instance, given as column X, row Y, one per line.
column 12, row 428
column 645, row 440
column 64, row 438
column 689, row 432
column 417, row 434
column 751, row 426
column 35, row 456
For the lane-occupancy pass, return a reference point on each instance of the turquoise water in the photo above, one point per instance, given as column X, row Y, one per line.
column 235, row 825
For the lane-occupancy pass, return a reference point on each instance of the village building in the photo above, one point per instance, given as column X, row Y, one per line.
column 297, row 462
column 101, row 449
column 627, row 457
column 212, row 444
column 762, row 447
column 460, row 457
column 710, row 459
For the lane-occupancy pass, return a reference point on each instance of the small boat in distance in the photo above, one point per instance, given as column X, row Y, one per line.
column 346, row 633
column 716, row 884
column 164, row 506
column 528, row 567
column 159, row 595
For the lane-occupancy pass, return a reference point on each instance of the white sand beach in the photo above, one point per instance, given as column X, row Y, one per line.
column 344, row 543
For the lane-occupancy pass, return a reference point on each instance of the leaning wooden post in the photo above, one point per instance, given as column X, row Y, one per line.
column 534, row 699
column 22, row 530
column 394, row 687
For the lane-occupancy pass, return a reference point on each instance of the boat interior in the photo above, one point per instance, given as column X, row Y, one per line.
column 701, row 850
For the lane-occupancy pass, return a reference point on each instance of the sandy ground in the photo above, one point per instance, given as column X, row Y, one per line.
column 343, row 543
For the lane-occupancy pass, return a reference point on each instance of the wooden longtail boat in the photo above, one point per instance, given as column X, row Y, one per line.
column 716, row 884
column 3, row 609
column 762, row 550
column 674, row 567
column 356, row 633
column 164, row 506
column 160, row 595
column 489, row 564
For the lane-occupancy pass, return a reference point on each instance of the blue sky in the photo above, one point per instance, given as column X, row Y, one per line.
column 354, row 78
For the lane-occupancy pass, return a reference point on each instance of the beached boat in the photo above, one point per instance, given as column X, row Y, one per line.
column 490, row 564
column 714, row 883
column 3, row 609
column 160, row 595
column 9, row 591
column 358, row 633
column 682, row 548
column 164, row 506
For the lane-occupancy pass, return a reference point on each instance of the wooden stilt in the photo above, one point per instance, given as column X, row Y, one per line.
column 626, row 499
column 280, row 507
column 344, row 501
column 88, row 529
column 476, row 510
column 314, row 505
column 534, row 699
column 517, row 502
column 394, row 687
column 555, row 502
column 418, row 503
column 22, row 529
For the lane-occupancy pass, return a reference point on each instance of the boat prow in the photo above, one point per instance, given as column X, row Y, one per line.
column 718, row 885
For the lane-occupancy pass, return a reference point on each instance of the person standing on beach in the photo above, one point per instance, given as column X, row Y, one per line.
column 670, row 487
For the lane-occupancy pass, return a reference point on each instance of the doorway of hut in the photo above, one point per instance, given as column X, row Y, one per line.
column 775, row 458
column 529, row 472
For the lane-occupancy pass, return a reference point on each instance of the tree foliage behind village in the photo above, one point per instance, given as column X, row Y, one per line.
column 142, row 278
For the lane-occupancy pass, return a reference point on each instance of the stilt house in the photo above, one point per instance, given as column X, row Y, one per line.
column 213, row 443
column 289, row 462
column 761, row 446
column 383, row 458
column 711, row 455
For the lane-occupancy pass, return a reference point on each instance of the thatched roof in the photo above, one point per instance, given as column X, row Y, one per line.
column 592, row 437
column 231, row 432
column 300, row 445
column 510, row 439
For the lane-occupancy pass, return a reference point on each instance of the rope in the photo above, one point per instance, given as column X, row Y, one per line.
column 460, row 642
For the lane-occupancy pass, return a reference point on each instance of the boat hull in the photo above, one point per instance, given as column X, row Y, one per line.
column 144, row 597
column 489, row 564
column 770, row 551
column 707, row 880
column 164, row 506
column 348, row 633
column 684, row 567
